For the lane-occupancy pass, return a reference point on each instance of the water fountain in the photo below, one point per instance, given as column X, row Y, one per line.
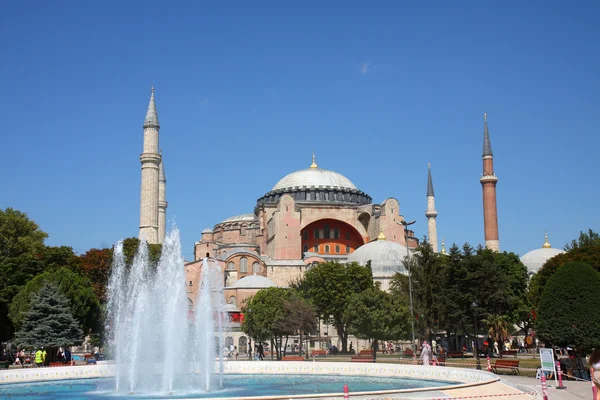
column 156, row 348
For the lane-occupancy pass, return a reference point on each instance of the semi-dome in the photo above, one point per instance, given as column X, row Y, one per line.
column 535, row 259
column 386, row 257
column 317, row 177
column 254, row 282
column 240, row 218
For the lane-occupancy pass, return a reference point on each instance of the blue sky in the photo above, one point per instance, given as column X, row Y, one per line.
column 246, row 91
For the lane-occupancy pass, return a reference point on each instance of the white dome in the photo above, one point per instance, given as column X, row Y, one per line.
column 535, row 259
column 314, row 177
column 386, row 257
column 207, row 230
column 254, row 282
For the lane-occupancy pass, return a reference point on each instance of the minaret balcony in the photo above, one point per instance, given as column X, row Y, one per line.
column 431, row 214
column 488, row 178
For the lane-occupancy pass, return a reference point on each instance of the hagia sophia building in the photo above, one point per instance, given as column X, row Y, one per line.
column 310, row 216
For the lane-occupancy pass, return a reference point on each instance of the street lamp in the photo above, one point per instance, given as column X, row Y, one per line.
column 249, row 338
column 412, row 315
column 474, row 307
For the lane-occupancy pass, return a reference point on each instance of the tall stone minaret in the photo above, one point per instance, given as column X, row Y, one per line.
column 431, row 213
column 162, row 202
column 151, row 160
column 488, row 182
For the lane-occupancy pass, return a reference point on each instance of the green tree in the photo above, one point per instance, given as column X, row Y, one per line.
column 85, row 306
column 298, row 317
column 130, row 247
column 328, row 287
column 377, row 315
column 95, row 265
column 49, row 322
column 568, row 311
column 21, row 254
column 586, row 249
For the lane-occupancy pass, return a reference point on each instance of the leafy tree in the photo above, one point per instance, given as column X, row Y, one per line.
column 95, row 265
column 586, row 249
column 378, row 315
column 498, row 326
column 49, row 322
column 21, row 254
column 328, row 287
column 568, row 310
column 55, row 257
column 84, row 304
column 298, row 317
column 130, row 247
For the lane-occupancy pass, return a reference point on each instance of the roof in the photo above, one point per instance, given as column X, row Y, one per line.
column 535, row 259
column 243, row 217
column 314, row 177
column 254, row 282
column 429, row 182
column 386, row 256
column 207, row 230
column 487, row 145
column 151, row 116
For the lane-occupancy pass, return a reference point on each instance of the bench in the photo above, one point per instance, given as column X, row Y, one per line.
column 365, row 353
column 292, row 358
column 361, row 359
column 407, row 353
column 510, row 353
column 319, row 353
column 513, row 365
column 59, row 364
column 455, row 354
column 4, row 364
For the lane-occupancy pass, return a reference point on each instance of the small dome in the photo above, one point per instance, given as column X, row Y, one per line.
column 386, row 257
column 314, row 177
column 243, row 217
column 207, row 230
column 535, row 259
column 254, row 282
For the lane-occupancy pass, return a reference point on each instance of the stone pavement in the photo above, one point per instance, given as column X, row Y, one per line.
column 575, row 390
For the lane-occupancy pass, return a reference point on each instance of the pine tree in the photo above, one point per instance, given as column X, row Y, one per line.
column 49, row 321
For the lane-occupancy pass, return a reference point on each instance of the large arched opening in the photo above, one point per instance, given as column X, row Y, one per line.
column 330, row 237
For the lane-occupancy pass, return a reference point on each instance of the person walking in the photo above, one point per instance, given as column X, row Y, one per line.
column 425, row 353
column 39, row 358
column 595, row 370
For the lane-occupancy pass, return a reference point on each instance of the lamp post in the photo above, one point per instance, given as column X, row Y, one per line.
column 249, row 338
column 474, row 307
column 412, row 315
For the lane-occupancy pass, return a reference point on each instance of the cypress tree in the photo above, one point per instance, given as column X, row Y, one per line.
column 49, row 322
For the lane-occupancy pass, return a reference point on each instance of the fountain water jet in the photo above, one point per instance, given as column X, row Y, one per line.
column 156, row 347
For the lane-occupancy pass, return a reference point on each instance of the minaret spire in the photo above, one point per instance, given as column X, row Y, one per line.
column 431, row 212
column 488, row 182
column 151, row 161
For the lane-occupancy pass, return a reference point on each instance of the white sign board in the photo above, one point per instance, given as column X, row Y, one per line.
column 547, row 361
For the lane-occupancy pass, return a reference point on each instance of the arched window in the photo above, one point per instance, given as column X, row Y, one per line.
column 243, row 345
column 230, row 265
column 305, row 235
column 326, row 248
column 243, row 264
column 190, row 304
column 233, row 300
column 316, row 233
column 336, row 233
column 316, row 249
column 256, row 268
column 337, row 249
column 243, row 230
column 347, row 249
column 305, row 248
column 321, row 233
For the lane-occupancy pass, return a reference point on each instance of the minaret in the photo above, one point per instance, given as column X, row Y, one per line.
column 431, row 213
column 162, row 202
column 488, row 182
column 150, row 159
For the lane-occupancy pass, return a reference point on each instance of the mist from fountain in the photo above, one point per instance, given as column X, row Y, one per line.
column 157, row 346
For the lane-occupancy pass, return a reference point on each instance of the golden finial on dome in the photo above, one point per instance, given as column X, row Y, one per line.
column 546, row 244
column 313, row 165
column 443, row 249
column 381, row 235
column 485, row 116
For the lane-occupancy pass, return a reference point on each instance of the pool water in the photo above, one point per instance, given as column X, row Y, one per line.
column 233, row 386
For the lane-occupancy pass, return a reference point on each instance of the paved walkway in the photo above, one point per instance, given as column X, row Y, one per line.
column 575, row 390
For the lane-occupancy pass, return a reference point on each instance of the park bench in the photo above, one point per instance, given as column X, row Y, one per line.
column 292, row 358
column 361, row 359
column 455, row 354
column 59, row 364
column 512, row 365
column 365, row 353
column 90, row 359
column 407, row 353
column 319, row 353
column 510, row 353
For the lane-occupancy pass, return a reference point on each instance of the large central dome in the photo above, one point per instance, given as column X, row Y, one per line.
column 314, row 177
column 316, row 185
